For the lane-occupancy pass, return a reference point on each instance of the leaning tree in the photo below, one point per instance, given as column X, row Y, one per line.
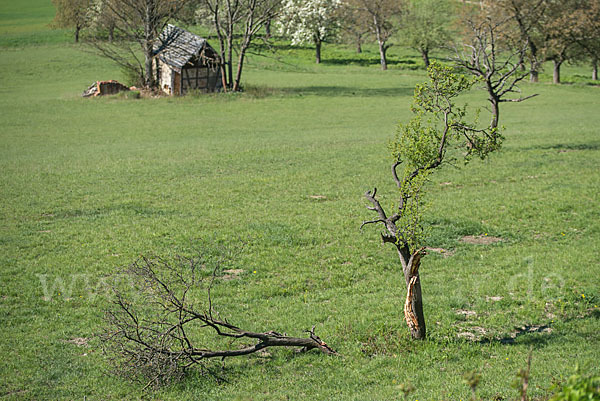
column 439, row 132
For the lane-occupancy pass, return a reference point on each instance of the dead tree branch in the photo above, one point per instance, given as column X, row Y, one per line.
column 152, row 330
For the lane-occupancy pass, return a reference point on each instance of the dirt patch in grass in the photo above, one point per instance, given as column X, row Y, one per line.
column 232, row 274
column 444, row 252
column 474, row 333
column 549, row 309
column 480, row 239
column 79, row 341
column 481, row 334
column 466, row 313
column 15, row 392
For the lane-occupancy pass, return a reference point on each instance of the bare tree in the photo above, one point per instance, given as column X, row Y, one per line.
column 152, row 330
column 556, row 31
column 497, row 67
column 136, row 25
column 226, row 16
column 382, row 17
column 522, row 23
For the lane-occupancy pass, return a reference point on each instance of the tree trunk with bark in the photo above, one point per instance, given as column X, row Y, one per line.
column 318, row 50
column 148, row 64
column 248, row 33
column 229, row 60
column 238, row 74
column 425, row 55
column 148, row 67
column 381, row 42
column 534, row 64
column 149, row 33
column 556, row 71
column 534, row 76
column 382, row 56
column 268, row 28
column 495, row 103
column 595, row 69
column 413, row 305
column 221, row 47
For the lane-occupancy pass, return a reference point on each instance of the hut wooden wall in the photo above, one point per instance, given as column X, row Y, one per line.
column 202, row 78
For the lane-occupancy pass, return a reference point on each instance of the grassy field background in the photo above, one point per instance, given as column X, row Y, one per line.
column 87, row 185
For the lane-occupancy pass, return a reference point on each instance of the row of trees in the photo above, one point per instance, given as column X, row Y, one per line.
column 421, row 24
column 554, row 30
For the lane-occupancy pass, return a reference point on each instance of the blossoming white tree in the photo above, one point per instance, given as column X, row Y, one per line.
column 310, row 21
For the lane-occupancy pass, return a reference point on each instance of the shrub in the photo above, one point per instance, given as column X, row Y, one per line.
column 578, row 388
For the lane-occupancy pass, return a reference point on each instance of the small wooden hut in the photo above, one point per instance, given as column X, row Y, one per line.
column 185, row 62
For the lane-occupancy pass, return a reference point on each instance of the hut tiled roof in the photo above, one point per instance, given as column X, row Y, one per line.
column 177, row 46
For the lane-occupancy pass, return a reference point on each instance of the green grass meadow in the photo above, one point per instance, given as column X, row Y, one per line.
column 89, row 185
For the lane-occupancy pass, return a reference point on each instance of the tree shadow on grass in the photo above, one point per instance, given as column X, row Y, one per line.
column 136, row 209
column 366, row 61
column 260, row 92
column 533, row 335
column 568, row 147
column 348, row 91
